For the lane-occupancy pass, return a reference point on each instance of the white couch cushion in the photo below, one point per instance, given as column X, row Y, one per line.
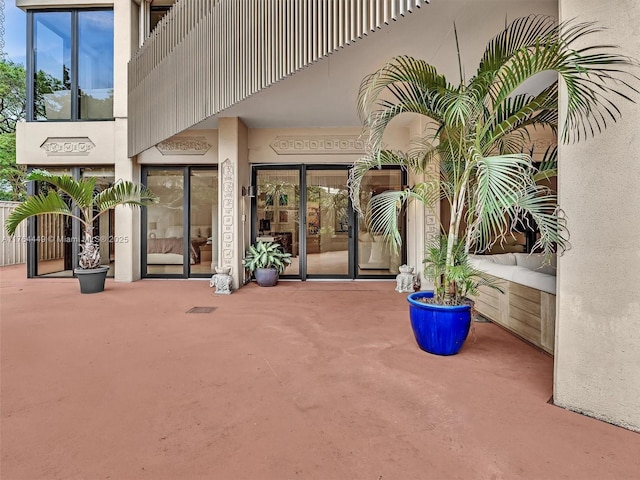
column 533, row 279
column 503, row 258
column 536, row 262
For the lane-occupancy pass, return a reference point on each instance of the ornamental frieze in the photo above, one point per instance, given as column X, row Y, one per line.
column 184, row 146
column 318, row 145
column 67, row 146
column 227, row 213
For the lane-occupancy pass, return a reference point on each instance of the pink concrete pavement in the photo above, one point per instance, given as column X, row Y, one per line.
column 315, row 380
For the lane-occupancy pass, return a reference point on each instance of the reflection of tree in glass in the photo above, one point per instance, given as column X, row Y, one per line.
column 334, row 207
column 45, row 84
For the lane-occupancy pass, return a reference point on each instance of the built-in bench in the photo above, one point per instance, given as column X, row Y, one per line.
column 528, row 306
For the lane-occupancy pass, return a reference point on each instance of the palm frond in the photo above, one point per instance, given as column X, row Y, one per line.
column 500, row 182
column 591, row 79
column 50, row 203
column 362, row 166
column 124, row 193
column 412, row 85
column 80, row 192
column 548, row 167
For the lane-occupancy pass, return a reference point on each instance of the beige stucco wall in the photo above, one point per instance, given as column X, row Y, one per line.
column 179, row 149
column 597, row 361
column 261, row 143
column 66, row 143
column 96, row 143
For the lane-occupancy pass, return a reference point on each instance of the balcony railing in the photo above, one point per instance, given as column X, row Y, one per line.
column 207, row 55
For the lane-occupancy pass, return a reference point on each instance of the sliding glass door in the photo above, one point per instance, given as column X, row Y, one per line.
column 180, row 230
column 328, row 223
column 375, row 256
column 277, row 211
column 307, row 209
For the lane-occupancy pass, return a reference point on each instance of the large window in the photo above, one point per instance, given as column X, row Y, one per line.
column 70, row 65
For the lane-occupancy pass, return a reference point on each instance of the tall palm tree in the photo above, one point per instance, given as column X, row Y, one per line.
column 78, row 199
column 473, row 153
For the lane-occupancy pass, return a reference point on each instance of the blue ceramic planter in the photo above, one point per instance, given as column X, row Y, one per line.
column 439, row 329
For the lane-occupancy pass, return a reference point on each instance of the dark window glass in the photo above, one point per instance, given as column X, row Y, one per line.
column 157, row 14
column 52, row 64
column 72, row 65
column 95, row 64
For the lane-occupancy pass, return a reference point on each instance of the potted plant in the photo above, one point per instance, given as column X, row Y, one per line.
column 472, row 155
column 266, row 261
column 79, row 199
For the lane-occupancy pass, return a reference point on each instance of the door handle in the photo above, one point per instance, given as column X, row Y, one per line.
column 350, row 231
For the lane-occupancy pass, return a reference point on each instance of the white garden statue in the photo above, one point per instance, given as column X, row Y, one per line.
column 222, row 280
column 406, row 280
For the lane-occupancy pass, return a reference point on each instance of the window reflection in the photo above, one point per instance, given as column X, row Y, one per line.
column 278, row 206
column 72, row 81
column 95, row 64
column 165, row 231
column 52, row 62
column 375, row 254
column 204, row 220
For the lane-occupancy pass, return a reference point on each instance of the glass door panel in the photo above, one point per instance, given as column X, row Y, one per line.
column 165, row 253
column 278, row 211
column 104, row 226
column 54, row 240
column 203, row 228
column 375, row 256
column 327, row 228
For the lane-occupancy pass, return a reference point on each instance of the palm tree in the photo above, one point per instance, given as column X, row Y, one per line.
column 473, row 154
column 78, row 199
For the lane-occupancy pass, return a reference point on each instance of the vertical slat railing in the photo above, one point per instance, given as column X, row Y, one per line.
column 207, row 55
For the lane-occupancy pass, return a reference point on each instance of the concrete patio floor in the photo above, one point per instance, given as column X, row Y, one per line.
column 314, row 380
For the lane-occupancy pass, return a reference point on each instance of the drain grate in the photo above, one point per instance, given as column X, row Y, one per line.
column 201, row 310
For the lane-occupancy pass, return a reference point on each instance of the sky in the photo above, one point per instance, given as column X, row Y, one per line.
column 15, row 25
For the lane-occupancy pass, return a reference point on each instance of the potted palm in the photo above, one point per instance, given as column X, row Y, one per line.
column 80, row 200
column 266, row 261
column 473, row 154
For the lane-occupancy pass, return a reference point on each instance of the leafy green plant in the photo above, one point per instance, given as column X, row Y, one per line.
column 472, row 155
column 266, row 255
column 78, row 199
column 453, row 285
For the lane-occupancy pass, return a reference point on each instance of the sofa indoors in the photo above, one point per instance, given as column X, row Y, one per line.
column 528, row 306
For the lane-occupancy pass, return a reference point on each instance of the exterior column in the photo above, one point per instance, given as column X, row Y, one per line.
column 127, row 228
column 597, row 358
column 233, row 173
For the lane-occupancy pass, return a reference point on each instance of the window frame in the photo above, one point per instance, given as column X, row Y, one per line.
column 73, row 68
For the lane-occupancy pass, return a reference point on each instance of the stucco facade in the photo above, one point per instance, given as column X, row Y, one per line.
column 597, row 360
column 596, row 344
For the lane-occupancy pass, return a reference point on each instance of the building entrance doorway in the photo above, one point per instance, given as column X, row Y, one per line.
column 307, row 209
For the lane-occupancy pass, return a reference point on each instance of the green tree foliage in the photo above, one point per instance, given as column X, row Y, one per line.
column 13, row 108
column 13, row 95
column 12, row 186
